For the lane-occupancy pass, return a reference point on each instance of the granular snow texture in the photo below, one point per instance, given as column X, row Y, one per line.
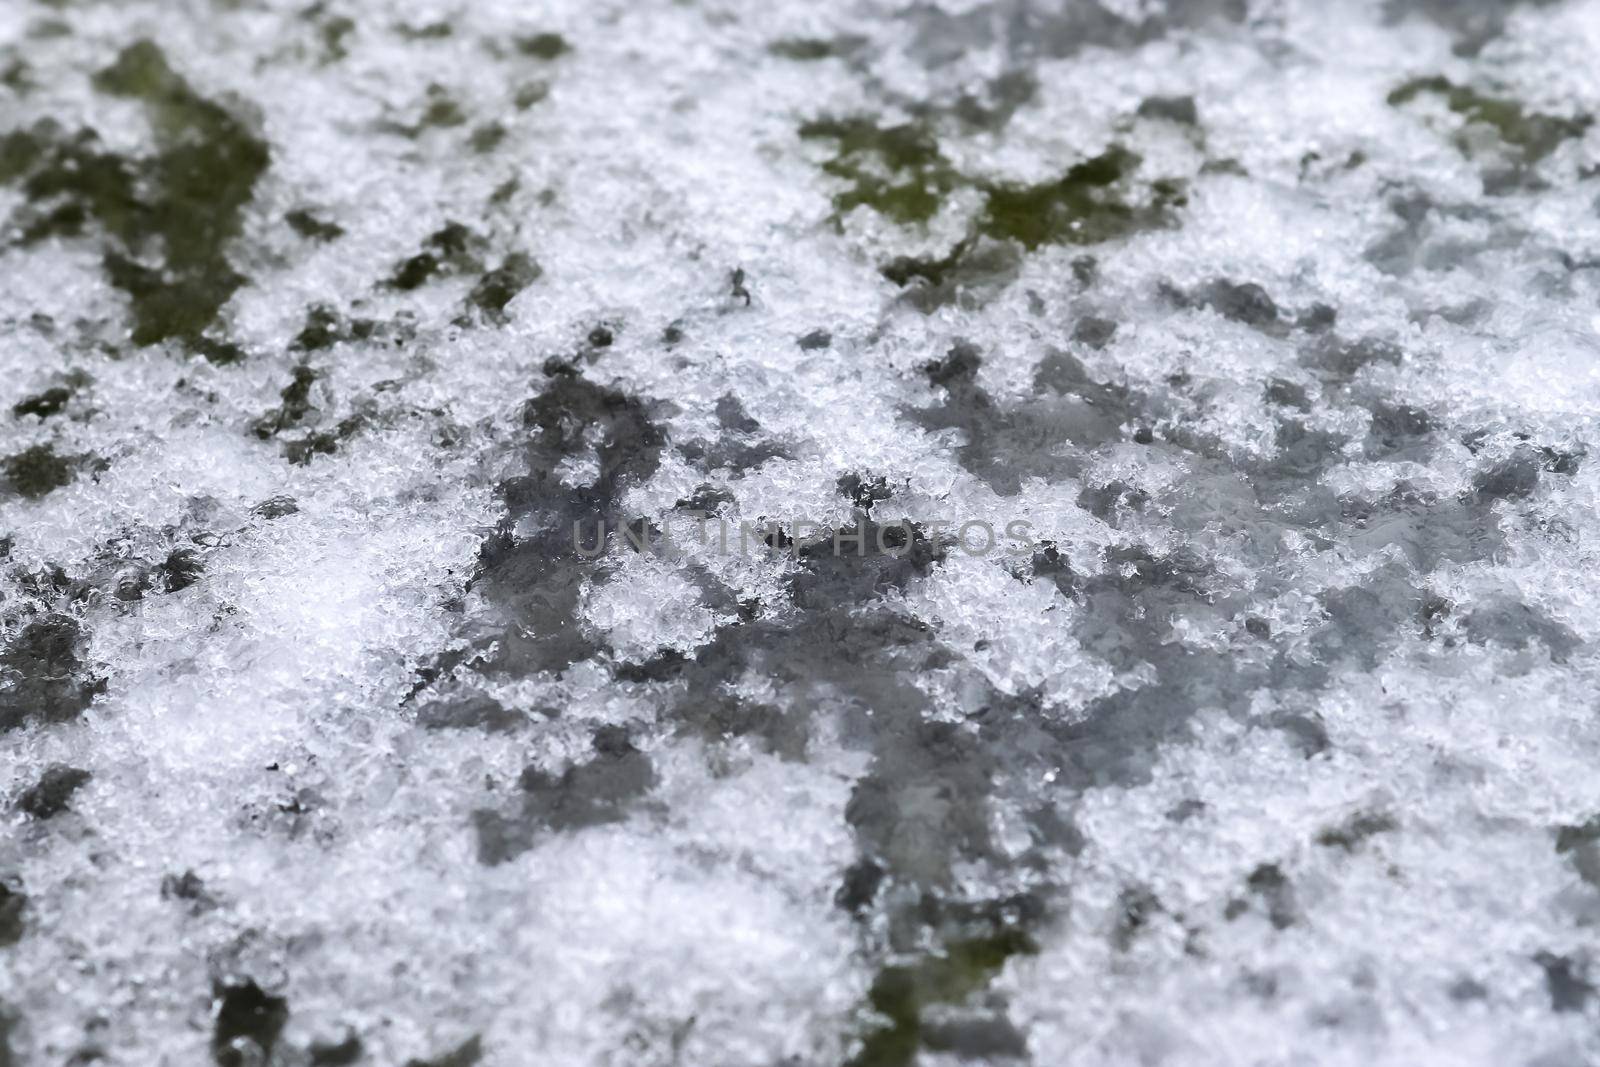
column 1101, row 559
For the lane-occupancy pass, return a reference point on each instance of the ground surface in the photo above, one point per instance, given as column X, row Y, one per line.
column 1264, row 336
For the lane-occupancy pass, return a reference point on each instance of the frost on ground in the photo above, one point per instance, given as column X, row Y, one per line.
column 1271, row 327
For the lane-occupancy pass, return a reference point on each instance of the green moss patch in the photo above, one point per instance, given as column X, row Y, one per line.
column 814, row 49
column 897, row 171
column 900, row 172
column 1090, row 203
column 1530, row 133
column 168, row 219
column 309, row 226
column 900, row 994
column 202, row 179
column 546, row 46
